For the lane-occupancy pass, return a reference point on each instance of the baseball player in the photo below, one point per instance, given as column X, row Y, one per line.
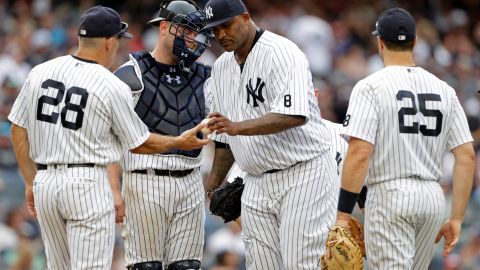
column 71, row 119
column 167, row 87
column 400, row 121
column 266, row 120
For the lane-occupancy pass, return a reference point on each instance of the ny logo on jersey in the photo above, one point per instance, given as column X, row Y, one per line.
column 338, row 159
column 256, row 93
column 177, row 78
column 209, row 12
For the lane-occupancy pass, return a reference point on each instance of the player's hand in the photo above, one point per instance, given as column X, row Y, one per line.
column 119, row 206
column 188, row 140
column 342, row 221
column 29, row 200
column 450, row 230
column 239, row 221
column 221, row 124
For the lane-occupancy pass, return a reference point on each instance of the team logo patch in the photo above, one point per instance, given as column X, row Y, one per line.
column 256, row 93
column 173, row 80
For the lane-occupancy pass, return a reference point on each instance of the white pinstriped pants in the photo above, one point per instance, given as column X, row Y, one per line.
column 402, row 218
column 77, row 218
column 165, row 218
column 286, row 215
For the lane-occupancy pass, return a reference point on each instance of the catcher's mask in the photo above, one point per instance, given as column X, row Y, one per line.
column 187, row 22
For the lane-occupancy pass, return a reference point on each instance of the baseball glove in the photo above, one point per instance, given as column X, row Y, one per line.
column 226, row 200
column 346, row 247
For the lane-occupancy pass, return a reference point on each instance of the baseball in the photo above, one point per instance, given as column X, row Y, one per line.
column 206, row 130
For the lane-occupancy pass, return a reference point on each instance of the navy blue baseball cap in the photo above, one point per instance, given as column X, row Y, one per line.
column 100, row 21
column 395, row 25
column 220, row 11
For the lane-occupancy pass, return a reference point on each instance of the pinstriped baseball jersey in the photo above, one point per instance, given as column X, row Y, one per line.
column 338, row 150
column 76, row 112
column 58, row 99
column 274, row 79
column 290, row 177
column 411, row 117
column 131, row 161
column 339, row 144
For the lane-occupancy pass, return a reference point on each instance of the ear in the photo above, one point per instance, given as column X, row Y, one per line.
column 164, row 28
column 246, row 16
column 108, row 42
column 380, row 43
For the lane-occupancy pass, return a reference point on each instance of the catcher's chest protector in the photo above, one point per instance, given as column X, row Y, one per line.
column 171, row 101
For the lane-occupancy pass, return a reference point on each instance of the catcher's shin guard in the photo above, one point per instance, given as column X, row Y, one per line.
column 185, row 265
column 146, row 266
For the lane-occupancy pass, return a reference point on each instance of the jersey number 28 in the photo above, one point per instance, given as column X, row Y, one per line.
column 69, row 106
column 416, row 127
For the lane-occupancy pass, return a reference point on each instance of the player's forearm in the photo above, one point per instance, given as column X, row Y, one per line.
column 114, row 171
column 463, row 171
column 270, row 123
column 355, row 168
column 21, row 147
column 222, row 162
column 156, row 144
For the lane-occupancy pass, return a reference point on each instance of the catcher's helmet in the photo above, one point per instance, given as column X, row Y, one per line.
column 185, row 17
column 169, row 9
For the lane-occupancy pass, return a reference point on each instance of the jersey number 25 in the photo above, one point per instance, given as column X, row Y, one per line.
column 416, row 127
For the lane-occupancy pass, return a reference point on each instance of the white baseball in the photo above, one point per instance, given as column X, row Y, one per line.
column 206, row 130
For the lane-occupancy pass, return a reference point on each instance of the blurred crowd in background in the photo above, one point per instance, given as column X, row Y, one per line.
column 335, row 36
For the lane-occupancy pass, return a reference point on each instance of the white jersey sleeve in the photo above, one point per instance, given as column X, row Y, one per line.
column 212, row 106
column 291, row 76
column 459, row 133
column 18, row 114
column 361, row 120
column 123, row 115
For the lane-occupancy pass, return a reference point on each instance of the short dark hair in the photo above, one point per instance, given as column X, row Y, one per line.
column 398, row 47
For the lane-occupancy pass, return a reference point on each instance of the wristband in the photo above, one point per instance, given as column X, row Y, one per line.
column 346, row 201
column 362, row 198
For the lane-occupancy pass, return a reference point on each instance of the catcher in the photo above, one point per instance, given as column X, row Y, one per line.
column 345, row 243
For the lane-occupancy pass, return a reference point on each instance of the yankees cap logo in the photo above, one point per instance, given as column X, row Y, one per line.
column 209, row 12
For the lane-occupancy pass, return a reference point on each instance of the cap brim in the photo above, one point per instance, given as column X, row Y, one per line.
column 216, row 23
column 124, row 33
column 375, row 33
column 156, row 21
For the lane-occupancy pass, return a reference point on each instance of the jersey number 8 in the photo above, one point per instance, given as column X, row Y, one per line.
column 55, row 101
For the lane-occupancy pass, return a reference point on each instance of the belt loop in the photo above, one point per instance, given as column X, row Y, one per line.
column 151, row 171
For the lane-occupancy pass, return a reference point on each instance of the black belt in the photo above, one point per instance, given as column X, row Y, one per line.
column 277, row 170
column 57, row 166
column 164, row 172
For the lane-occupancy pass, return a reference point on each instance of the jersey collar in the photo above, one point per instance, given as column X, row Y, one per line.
column 84, row 60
